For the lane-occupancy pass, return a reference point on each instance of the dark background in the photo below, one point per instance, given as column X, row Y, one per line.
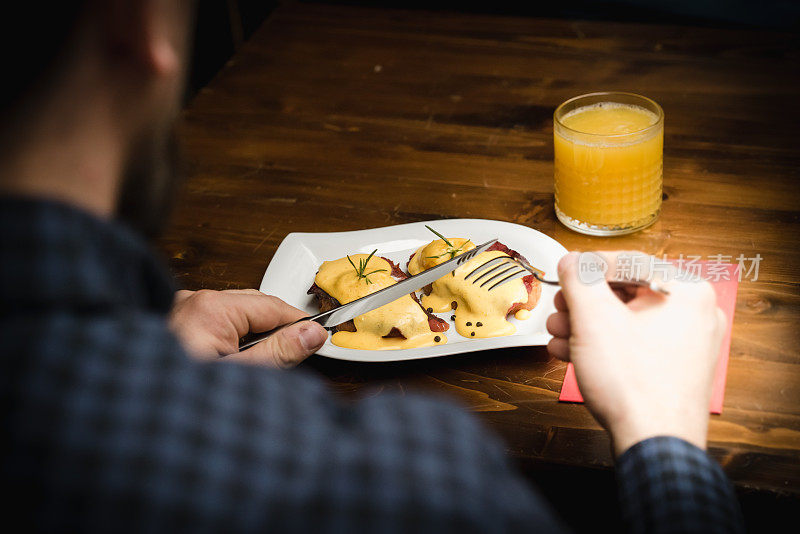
column 223, row 25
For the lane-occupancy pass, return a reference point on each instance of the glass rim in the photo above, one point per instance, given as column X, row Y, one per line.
column 659, row 113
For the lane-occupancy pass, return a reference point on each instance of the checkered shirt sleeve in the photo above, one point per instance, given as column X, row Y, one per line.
column 108, row 425
column 668, row 485
column 115, row 429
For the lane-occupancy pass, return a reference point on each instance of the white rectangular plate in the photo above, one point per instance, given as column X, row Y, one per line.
column 294, row 266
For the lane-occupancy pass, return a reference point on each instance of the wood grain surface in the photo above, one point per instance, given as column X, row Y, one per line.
column 334, row 118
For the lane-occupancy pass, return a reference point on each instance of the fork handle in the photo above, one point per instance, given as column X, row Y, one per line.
column 652, row 286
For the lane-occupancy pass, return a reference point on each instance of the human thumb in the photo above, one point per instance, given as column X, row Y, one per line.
column 286, row 347
column 583, row 282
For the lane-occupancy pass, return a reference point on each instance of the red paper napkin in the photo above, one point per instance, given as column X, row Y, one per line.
column 724, row 278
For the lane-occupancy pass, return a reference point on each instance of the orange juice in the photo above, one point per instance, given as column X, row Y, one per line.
column 608, row 163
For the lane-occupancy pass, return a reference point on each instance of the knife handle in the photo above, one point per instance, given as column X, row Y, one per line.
column 254, row 338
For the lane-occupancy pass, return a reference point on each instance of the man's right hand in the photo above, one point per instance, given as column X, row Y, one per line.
column 644, row 366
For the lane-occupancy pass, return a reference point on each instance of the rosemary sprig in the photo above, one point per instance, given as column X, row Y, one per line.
column 362, row 267
column 443, row 238
column 452, row 251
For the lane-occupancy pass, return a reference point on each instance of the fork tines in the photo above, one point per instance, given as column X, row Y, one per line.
column 465, row 257
column 509, row 270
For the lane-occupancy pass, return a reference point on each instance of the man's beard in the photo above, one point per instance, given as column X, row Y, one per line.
column 149, row 183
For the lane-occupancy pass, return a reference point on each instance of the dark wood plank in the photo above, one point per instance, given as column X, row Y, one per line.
column 326, row 107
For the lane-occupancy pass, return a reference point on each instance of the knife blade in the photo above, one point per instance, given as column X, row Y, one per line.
column 353, row 309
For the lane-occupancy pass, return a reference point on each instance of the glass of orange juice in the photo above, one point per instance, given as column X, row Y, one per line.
column 608, row 162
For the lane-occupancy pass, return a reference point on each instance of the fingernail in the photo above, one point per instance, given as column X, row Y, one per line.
column 311, row 337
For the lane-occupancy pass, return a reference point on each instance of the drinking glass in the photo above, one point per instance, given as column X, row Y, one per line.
column 608, row 169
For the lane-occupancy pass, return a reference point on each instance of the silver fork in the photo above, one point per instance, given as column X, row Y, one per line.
column 507, row 269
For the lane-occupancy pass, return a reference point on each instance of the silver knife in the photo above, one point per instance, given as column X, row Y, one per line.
column 351, row 310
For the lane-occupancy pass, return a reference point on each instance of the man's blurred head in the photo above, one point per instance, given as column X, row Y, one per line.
column 107, row 77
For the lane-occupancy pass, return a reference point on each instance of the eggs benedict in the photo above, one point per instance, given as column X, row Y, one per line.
column 398, row 325
column 479, row 313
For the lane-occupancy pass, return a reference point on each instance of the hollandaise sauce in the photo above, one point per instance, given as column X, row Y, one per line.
column 479, row 313
column 340, row 280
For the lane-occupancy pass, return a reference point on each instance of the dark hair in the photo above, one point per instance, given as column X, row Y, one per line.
column 34, row 37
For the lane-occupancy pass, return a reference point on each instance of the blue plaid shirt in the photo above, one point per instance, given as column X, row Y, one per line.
column 109, row 426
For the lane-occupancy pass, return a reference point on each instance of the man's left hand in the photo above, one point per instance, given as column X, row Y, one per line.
column 210, row 323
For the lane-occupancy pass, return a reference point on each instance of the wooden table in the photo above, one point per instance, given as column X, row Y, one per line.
column 336, row 118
